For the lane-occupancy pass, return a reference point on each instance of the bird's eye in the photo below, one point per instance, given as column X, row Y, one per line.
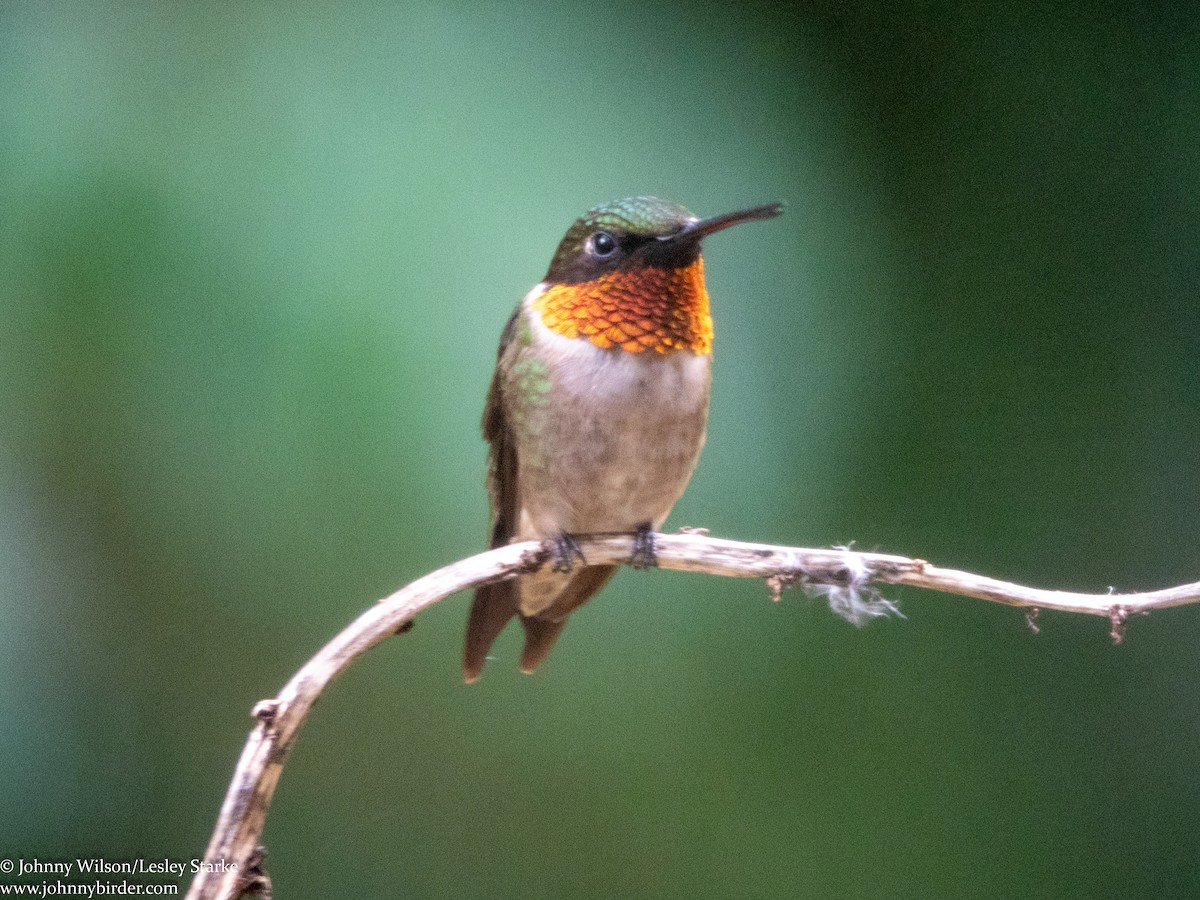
column 604, row 244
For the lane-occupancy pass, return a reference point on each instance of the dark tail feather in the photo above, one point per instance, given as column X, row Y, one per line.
column 540, row 637
column 541, row 632
column 493, row 606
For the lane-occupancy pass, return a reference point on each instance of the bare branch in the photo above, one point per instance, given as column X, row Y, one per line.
column 232, row 863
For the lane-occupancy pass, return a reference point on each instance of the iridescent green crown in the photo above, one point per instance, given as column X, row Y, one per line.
column 649, row 216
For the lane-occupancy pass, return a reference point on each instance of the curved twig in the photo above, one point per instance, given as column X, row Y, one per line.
column 232, row 863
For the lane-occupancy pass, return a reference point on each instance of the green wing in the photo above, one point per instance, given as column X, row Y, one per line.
column 495, row 603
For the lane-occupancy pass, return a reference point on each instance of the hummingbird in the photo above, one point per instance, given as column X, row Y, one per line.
column 597, row 410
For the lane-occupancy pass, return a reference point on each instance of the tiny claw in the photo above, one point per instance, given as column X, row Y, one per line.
column 532, row 560
column 566, row 551
column 644, row 556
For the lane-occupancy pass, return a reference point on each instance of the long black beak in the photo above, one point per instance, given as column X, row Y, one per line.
column 703, row 227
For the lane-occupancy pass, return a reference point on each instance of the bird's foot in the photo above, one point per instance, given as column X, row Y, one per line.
column 645, row 556
column 565, row 552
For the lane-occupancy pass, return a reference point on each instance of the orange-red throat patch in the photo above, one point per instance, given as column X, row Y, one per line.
column 640, row 309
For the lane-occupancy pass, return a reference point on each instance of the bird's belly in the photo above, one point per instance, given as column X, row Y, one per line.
column 620, row 443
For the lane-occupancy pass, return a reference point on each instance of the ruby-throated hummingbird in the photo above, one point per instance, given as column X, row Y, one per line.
column 597, row 409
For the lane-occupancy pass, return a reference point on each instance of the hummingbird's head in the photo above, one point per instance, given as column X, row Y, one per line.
column 629, row 274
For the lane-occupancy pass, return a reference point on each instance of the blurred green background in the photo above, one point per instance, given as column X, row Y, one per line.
column 254, row 262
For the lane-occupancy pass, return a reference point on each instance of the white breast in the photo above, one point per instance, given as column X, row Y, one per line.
column 620, row 439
